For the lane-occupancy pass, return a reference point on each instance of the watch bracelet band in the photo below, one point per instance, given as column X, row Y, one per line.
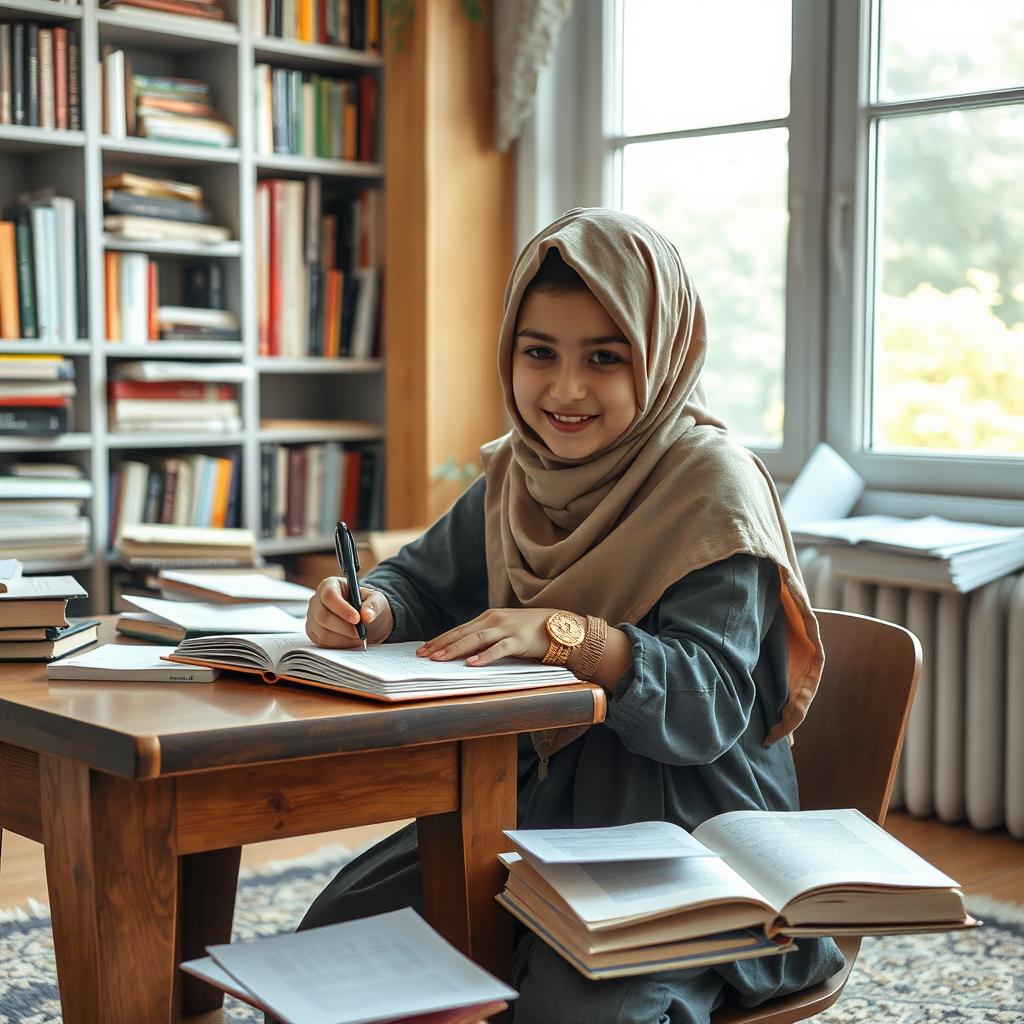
column 558, row 654
column 591, row 651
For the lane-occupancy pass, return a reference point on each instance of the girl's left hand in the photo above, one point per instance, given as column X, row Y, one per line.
column 498, row 633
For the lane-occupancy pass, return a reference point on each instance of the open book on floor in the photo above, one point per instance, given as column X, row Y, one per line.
column 780, row 874
column 390, row 967
column 388, row 672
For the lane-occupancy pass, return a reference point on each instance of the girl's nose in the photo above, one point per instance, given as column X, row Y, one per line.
column 568, row 385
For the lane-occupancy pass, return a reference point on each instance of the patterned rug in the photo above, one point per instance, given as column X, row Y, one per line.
column 972, row 977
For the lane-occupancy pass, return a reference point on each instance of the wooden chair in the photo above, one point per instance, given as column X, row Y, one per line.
column 846, row 752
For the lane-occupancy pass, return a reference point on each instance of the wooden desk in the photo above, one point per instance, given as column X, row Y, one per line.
column 144, row 793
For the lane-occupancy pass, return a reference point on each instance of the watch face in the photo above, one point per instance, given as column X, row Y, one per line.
column 566, row 629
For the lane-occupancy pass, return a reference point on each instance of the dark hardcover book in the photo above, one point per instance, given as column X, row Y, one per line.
column 6, row 113
column 68, row 640
column 170, row 471
column 268, row 465
column 30, row 420
column 18, row 79
column 315, row 290
column 204, row 286
column 115, row 201
column 274, row 17
column 279, row 108
column 154, row 496
column 294, row 112
column 81, row 289
column 74, row 86
column 233, row 515
column 295, row 517
column 367, row 469
column 349, row 297
column 357, row 25
column 26, row 274
column 32, row 74
column 114, row 505
column 183, row 333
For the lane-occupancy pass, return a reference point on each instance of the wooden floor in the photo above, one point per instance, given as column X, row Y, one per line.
column 988, row 863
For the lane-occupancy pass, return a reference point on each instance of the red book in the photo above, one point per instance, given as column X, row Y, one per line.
column 350, row 499
column 274, row 268
column 195, row 10
column 367, row 149
column 60, row 76
column 35, row 401
column 188, row 390
column 295, row 519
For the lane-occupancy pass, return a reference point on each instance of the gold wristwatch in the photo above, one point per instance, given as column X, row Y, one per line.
column 566, row 634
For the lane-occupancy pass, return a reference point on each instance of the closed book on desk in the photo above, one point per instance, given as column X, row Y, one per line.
column 386, row 672
column 65, row 641
column 37, row 600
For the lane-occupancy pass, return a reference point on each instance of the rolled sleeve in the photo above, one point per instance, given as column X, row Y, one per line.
column 688, row 694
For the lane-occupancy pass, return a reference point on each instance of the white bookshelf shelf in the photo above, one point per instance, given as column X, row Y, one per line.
column 17, row 138
column 34, row 347
column 61, row 443
column 310, row 435
column 319, row 365
column 294, row 545
column 146, row 151
column 229, row 250
column 134, row 442
column 313, row 56
column 285, row 163
column 45, row 9
column 175, row 350
column 173, row 32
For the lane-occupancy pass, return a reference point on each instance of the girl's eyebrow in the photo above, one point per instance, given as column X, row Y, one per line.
column 607, row 339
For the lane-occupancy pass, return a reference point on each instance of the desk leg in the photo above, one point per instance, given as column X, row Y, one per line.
column 459, row 855
column 112, row 875
column 208, row 885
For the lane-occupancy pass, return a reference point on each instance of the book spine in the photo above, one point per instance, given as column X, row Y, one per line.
column 60, row 77
column 33, row 421
column 367, row 118
column 26, row 276
column 279, row 106
column 268, row 460
column 154, row 496
column 353, row 475
column 134, row 297
column 233, row 516
column 170, row 472
column 263, row 265
column 152, row 206
column 10, row 317
column 74, row 82
column 32, row 74
column 81, row 292
column 112, row 293
column 280, row 490
column 161, row 390
column 47, row 107
column 6, row 111
column 18, row 80
column 152, row 302
column 204, row 286
column 276, row 189
column 65, row 223
column 297, row 467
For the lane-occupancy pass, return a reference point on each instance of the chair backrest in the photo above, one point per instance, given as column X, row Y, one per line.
column 847, row 749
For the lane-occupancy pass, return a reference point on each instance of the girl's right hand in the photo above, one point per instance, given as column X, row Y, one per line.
column 331, row 620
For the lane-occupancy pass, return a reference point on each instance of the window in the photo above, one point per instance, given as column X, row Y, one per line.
column 845, row 182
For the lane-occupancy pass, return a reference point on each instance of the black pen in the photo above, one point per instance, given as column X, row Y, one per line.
column 348, row 560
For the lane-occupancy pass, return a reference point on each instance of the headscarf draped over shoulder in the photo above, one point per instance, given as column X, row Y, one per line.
column 609, row 534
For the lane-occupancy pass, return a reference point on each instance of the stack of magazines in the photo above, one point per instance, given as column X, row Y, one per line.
column 929, row 553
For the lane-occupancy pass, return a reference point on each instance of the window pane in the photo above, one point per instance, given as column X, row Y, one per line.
column 694, row 65
column 949, row 319
column 722, row 200
column 949, row 46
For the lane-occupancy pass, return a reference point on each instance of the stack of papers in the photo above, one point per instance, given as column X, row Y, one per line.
column 392, row 967
column 173, row 621
column 931, row 553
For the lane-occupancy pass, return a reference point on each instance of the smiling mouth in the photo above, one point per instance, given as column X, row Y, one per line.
column 567, row 423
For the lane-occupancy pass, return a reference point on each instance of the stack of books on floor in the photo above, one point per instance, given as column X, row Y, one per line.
column 39, row 75
column 210, row 9
column 36, row 393
column 317, row 277
column 635, row 899
column 42, row 507
column 33, row 618
column 391, row 967
column 931, row 553
column 306, row 488
column 177, row 490
column 141, row 208
column 42, row 268
column 192, row 398
column 163, row 546
column 354, row 24
column 315, row 115
column 163, row 108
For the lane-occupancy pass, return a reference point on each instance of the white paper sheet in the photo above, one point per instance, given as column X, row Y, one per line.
column 250, row 618
column 36, row 587
column 249, row 586
column 378, row 968
column 827, row 487
column 129, row 662
column 646, row 840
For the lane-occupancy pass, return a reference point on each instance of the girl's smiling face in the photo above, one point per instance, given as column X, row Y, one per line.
column 572, row 373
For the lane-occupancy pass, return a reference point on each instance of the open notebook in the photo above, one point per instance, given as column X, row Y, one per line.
column 388, row 672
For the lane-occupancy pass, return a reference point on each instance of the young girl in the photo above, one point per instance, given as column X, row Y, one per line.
column 616, row 498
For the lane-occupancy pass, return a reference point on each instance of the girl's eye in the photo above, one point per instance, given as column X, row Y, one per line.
column 538, row 352
column 605, row 358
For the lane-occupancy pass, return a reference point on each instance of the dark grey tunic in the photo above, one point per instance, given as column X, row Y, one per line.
column 682, row 742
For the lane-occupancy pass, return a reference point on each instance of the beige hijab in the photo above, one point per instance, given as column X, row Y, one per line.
column 608, row 535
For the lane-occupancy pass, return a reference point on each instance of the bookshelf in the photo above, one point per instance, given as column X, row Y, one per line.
column 313, row 390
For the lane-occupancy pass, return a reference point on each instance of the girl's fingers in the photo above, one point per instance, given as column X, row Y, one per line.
column 328, row 621
column 502, row 649
column 471, row 643
column 374, row 604
column 333, row 594
column 439, row 643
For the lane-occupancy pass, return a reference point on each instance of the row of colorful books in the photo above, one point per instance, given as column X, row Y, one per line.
column 355, row 24
column 317, row 278
column 315, row 115
column 43, row 511
column 306, row 488
column 42, row 269
column 36, row 395
column 191, row 489
column 166, row 108
column 39, row 75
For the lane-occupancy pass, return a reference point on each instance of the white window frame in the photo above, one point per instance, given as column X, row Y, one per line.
column 565, row 158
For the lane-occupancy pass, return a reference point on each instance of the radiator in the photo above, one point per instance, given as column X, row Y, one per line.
column 963, row 757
